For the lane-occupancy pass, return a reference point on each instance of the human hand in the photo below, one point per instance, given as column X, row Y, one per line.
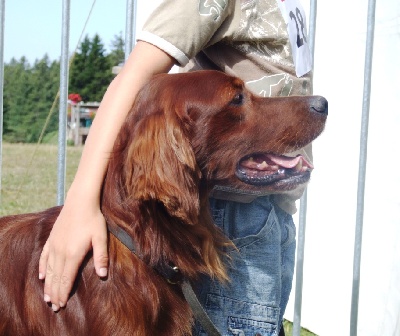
column 77, row 229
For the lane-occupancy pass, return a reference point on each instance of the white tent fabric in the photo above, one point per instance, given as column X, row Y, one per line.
column 339, row 67
column 332, row 194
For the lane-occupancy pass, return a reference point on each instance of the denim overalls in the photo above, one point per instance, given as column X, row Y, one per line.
column 260, row 271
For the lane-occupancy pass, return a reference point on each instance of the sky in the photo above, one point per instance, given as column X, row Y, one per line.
column 33, row 28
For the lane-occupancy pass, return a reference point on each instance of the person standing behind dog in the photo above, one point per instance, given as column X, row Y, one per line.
column 263, row 42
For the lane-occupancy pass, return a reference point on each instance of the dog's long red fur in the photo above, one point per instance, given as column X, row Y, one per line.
column 185, row 133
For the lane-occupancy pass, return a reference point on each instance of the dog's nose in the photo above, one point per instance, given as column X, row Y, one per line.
column 319, row 104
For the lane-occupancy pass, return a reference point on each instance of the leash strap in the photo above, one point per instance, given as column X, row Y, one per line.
column 197, row 309
column 173, row 276
column 123, row 237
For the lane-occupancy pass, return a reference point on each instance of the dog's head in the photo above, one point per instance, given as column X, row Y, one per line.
column 233, row 136
column 188, row 132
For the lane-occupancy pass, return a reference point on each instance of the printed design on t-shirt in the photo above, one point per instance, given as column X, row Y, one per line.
column 263, row 32
column 272, row 86
column 212, row 8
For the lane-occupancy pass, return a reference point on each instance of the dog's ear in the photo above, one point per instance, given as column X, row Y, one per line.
column 162, row 166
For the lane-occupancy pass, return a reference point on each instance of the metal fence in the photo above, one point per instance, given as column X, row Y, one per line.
column 130, row 38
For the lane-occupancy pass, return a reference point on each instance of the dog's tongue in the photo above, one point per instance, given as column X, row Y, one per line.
column 272, row 162
column 287, row 162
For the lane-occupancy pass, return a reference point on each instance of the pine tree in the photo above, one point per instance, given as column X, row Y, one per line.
column 45, row 84
column 17, row 88
column 29, row 90
column 117, row 54
column 90, row 73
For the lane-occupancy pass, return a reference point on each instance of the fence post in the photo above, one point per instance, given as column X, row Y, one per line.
column 298, row 299
column 2, row 18
column 362, row 167
column 130, row 28
column 62, row 125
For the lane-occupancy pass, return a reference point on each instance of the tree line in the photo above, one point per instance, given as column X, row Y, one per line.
column 30, row 90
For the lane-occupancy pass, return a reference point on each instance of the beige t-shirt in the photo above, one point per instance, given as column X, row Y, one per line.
column 243, row 38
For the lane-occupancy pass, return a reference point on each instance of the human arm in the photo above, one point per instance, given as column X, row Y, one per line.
column 81, row 225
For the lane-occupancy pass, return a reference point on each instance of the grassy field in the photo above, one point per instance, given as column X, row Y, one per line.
column 29, row 176
column 288, row 326
column 29, row 182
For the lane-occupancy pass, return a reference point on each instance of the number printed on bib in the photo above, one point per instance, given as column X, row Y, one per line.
column 295, row 19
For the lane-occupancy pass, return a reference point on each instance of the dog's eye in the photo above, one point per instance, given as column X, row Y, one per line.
column 238, row 99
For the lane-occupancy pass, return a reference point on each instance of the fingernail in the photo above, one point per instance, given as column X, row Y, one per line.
column 41, row 276
column 54, row 307
column 103, row 272
column 46, row 298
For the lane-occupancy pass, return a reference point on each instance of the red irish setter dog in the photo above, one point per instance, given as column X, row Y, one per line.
column 185, row 133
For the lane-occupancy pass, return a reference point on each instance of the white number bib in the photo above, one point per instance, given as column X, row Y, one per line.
column 295, row 19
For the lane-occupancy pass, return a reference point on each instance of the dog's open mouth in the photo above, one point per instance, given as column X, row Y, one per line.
column 278, row 171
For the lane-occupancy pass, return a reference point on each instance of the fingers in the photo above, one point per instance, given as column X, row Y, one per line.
column 65, row 282
column 65, row 249
column 43, row 261
column 51, row 283
column 100, row 254
column 59, row 278
column 68, row 244
column 50, row 276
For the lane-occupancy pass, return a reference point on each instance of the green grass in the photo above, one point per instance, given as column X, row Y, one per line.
column 29, row 176
column 29, row 183
column 288, row 326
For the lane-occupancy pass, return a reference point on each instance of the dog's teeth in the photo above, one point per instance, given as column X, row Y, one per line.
column 281, row 171
column 262, row 165
column 299, row 166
